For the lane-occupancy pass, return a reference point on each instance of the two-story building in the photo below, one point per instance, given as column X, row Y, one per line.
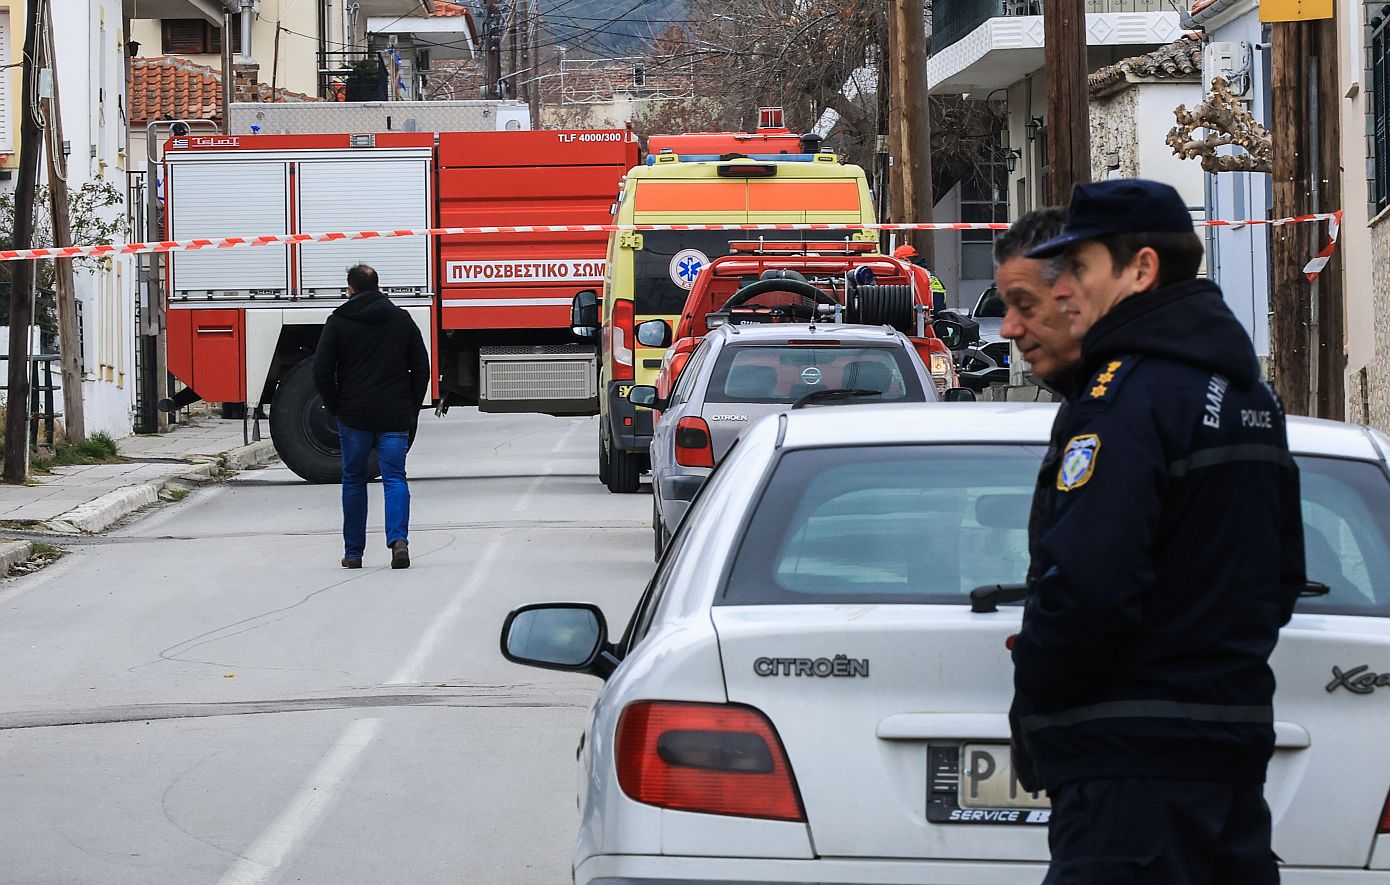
column 991, row 50
column 89, row 57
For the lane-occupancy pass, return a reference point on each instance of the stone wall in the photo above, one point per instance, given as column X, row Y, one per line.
column 1114, row 128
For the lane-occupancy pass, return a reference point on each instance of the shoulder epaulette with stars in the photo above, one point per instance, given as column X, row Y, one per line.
column 1105, row 383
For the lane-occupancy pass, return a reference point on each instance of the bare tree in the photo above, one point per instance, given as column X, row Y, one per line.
column 822, row 63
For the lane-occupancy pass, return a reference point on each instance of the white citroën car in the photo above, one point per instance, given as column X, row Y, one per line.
column 804, row 693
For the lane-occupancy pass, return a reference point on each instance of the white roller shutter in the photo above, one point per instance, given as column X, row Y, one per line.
column 364, row 194
column 6, row 118
column 223, row 198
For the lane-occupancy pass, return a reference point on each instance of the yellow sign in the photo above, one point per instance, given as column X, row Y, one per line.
column 624, row 390
column 1294, row 10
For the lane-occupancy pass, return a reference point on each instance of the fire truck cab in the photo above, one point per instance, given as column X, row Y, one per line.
column 243, row 323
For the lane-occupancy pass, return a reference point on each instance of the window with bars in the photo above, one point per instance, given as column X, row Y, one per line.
column 194, row 36
column 1380, row 108
column 983, row 197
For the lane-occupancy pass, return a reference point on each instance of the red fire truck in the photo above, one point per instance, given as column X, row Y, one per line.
column 495, row 310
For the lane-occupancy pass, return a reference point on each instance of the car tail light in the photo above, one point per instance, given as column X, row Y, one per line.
column 709, row 758
column 1384, row 827
column 621, row 342
column 693, row 448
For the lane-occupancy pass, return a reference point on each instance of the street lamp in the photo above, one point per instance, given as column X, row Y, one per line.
column 1033, row 126
column 1011, row 159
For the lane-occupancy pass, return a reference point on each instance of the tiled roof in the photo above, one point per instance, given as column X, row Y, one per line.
column 1199, row 5
column 167, row 87
column 1178, row 61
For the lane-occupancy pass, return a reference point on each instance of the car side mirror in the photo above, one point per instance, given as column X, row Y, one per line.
column 645, row 395
column 954, row 333
column 959, row 395
column 570, row 636
column 584, row 320
column 654, row 333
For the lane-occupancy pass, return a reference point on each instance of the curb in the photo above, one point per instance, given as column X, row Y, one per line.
column 12, row 553
column 103, row 512
column 243, row 457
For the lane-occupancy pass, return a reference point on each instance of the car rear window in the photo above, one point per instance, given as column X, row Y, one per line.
column 927, row 524
column 1346, row 535
column 785, row 373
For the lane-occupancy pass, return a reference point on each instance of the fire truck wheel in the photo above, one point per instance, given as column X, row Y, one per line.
column 306, row 436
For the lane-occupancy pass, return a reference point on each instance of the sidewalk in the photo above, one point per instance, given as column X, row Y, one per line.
column 89, row 498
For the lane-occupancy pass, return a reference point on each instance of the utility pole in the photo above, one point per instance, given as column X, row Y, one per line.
column 227, row 75
column 533, row 94
column 513, row 11
column 69, row 346
column 22, row 272
column 492, row 48
column 1068, row 108
column 1307, row 319
column 909, row 123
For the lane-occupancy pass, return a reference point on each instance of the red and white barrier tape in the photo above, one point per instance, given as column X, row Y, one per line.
column 106, row 250
column 1314, row 267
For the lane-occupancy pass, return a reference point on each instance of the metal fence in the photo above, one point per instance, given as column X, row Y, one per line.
column 42, row 409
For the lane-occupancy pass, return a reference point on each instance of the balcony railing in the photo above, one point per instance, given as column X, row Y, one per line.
column 953, row 19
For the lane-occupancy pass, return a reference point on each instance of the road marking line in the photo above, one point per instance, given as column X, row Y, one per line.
column 409, row 670
column 524, row 499
column 261, row 861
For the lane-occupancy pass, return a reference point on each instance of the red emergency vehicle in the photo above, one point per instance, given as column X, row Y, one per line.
column 494, row 309
column 866, row 287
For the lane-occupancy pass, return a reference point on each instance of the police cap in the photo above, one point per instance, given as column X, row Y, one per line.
column 1118, row 206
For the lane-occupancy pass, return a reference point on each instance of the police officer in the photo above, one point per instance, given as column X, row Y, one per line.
column 1167, row 554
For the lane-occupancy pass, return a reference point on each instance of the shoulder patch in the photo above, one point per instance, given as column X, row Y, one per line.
column 1105, row 383
column 1078, row 462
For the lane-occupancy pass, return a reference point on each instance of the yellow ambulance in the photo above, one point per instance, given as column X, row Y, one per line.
column 649, row 273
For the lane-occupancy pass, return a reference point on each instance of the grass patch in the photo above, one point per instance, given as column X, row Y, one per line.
column 99, row 448
column 43, row 555
column 178, row 494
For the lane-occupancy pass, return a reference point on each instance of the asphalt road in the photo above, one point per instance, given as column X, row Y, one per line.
column 204, row 695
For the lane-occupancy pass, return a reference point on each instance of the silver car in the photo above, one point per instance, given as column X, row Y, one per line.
column 814, row 685
column 740, row 373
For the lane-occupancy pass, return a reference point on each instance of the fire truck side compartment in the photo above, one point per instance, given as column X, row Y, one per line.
column 505, row 298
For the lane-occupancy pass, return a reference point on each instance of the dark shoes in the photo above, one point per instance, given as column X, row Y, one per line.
column 400, row 555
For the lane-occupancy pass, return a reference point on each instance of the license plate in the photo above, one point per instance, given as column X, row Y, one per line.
column 987, row 780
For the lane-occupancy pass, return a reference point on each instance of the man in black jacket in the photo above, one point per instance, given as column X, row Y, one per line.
column 1167, row 554
column 373, row 371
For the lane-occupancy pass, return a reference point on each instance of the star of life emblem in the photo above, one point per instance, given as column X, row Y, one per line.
column 686, row 265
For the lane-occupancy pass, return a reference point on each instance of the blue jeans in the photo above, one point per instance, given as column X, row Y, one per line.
column 390, row 449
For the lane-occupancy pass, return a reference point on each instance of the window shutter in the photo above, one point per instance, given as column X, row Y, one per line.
column 184, row 36
column 6, row 117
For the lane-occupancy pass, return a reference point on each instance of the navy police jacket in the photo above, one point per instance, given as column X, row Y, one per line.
column 1167, row 551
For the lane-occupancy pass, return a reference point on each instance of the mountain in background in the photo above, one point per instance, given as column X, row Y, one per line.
column 607, row 28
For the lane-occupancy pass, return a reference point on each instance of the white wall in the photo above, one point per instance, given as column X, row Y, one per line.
column 1364, row 303
column 88, row 44
column 1238, row 258
column 297, row 66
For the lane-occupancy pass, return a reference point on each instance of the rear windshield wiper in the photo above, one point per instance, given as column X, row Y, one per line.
column 832, row 394
column 989, row 597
